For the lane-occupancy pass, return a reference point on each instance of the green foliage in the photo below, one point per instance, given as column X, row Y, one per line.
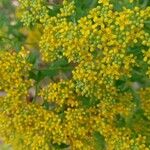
column 83, row 7
column 10, row 37
column 120, row 4
column 88, row 102
column 99, row 141
column 54, row 9
column 61, row 146
column 51, row 70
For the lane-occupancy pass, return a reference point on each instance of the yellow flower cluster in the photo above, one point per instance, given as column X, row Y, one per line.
column 112, row 120
column 33, row 11
column 14, row 71
column 29, row 126
column 145, row 101
column 98, row 42
column 111, row 117
column 97, row 106
column 147, row 60
column 59, row 94
column 67, row 10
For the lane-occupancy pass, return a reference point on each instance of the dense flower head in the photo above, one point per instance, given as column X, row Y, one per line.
column 146, row 54
column 145, row 101
column 33, row 11
column 59, row 94
column 14, row 70
column 29, row 122
column 101, row 102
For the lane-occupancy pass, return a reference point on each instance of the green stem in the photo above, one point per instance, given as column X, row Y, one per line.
column 93, row 3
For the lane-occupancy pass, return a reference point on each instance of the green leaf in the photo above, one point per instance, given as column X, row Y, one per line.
column 54, row 10
column 60, row 146
column 33, row 75
column 139, row 75
column 122, row 85
column 48, row 106
column 136, row 50
column 147, row 26
column 88, row 102
column 50, row 71
column 33, row 58
column 120, row 121
column 83, row 7
column 59, row 63
column 99, row 141
column 118, row 5
column 136, row 98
